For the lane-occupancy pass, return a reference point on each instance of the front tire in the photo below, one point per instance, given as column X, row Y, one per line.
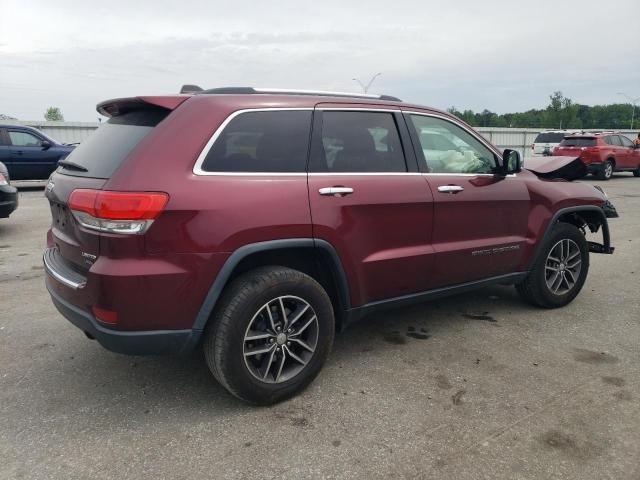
column 606, row 171
column 560, row 270
column 270, row 334
column 636, row 172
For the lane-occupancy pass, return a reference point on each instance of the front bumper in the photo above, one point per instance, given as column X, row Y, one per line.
column 8, row 200
column 150, row 342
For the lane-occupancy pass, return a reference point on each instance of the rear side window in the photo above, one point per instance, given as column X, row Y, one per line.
column 578, row 142
column 549, row 138
column 276, row 141
column 359, row 142
column 105, row 150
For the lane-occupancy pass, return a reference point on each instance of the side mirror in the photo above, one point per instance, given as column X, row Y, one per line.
column 511, row 162
column 46, row 144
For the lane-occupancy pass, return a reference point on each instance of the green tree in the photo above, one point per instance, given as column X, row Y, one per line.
column 53, row 114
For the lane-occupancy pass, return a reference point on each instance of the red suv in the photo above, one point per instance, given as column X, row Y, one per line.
column 256, row 223
column 602, row 153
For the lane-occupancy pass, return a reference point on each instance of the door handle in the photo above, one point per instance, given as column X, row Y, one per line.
column 18, row 152
column 450, row 188
column 336, row 191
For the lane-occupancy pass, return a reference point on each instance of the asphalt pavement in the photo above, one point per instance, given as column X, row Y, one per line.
column 478, row 386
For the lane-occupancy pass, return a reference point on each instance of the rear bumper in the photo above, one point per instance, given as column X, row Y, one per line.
column 153, row 342
column 8, row 200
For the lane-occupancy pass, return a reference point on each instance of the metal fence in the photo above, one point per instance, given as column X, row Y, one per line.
column 516, row 138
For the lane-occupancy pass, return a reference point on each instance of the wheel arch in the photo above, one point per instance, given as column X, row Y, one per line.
column 316, row 258
column 586, row 215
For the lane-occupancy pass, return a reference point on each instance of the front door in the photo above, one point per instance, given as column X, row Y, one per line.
column 480, row 219
column 370, row 202
column 28, row 159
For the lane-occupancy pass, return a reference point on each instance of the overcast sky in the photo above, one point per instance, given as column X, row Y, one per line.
column 500, row 55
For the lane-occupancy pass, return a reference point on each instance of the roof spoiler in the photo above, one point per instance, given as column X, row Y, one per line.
column 119, row 106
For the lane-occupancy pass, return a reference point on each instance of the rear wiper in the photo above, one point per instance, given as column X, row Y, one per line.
column 72, row 166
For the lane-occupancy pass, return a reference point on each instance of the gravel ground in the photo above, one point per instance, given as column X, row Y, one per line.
column 475, row 386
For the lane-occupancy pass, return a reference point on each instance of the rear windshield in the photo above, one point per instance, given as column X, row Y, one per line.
column 549, row 137
column 578, row 142
column 106, row 148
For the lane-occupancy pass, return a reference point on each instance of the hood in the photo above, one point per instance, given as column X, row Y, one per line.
column 567, row 168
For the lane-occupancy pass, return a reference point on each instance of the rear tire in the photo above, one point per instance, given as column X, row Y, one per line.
column 606, row 171
column 560, row 270
column 636, row 172
column 249, row 318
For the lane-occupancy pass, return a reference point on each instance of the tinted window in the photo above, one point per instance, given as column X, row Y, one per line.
column 625, row 141
column 275, row 141
column 360, row 142
column 447, row 148
column 615, row 140
column 106, row 148
column 579, row 142
column 549, row 137
column 23, row 139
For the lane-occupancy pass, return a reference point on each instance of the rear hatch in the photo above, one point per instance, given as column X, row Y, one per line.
column 574, row 146
column 546, row 141
column 90, row 166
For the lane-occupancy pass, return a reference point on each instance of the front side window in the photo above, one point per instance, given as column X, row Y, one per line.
column 23, row 139
column 447, row 148
column 360, row 142
column 268, row 141
column 625, row 141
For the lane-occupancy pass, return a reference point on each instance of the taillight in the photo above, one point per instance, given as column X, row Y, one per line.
column 3, row 181
column 116, row 212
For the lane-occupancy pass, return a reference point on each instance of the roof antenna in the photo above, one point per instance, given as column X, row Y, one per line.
column 190, row 89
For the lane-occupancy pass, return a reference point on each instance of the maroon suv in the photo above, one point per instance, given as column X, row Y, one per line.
column 256, row 223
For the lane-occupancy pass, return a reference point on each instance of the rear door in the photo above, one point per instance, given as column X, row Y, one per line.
column 480, row 219
column 369, row 201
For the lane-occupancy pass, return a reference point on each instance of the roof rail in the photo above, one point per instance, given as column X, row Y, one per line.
column 285, row 91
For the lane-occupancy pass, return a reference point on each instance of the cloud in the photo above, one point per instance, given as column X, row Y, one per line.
column 495, row 54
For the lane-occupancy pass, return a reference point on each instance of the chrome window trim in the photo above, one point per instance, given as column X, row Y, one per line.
column 197, row 168
column 379, row 174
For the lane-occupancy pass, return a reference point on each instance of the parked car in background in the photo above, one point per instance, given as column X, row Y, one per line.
column 547, row 140
column 256, row 223
column 603, row 153
column 28, row 153
column 8, row 193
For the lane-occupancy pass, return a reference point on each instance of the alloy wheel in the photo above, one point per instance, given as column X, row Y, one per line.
column 281, row 339
column 563, row 265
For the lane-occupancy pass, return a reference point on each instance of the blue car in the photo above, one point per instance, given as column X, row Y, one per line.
column 28, row 153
